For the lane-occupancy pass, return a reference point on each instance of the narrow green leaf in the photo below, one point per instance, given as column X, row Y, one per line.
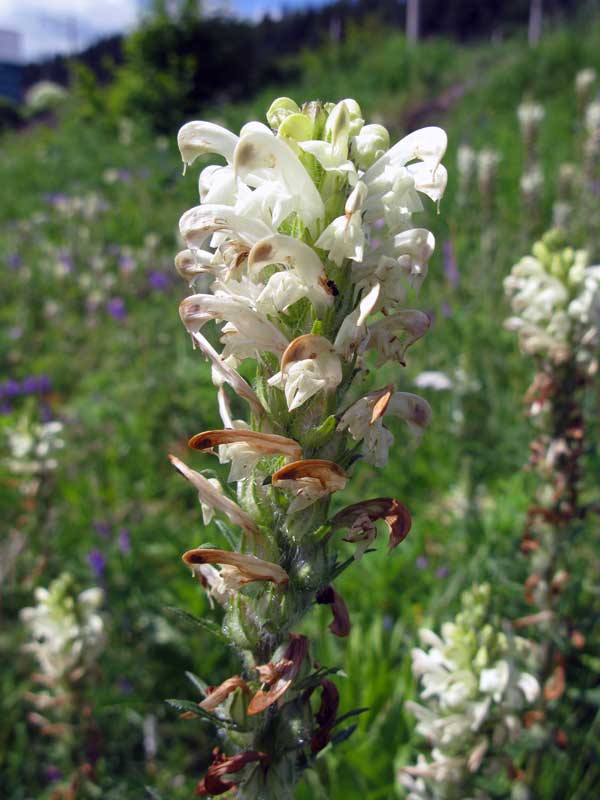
column 197, row 682
column 194, row 708
column 207, row 624
column 342, row 735
column 354, row 713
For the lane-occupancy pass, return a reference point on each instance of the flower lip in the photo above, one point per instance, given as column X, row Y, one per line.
column 249, row 568
column 395, row 515
column 294, row 655
column 267, row 443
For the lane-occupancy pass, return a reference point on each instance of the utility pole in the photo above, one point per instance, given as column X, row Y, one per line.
column 535, row 21
column 412, row 22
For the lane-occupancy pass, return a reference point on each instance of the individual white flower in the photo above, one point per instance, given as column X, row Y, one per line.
column 345, row 236
column 364, row 420
column 309, row 365
column 261, row 150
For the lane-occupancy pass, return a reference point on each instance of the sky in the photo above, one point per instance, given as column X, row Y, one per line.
column 63, row 26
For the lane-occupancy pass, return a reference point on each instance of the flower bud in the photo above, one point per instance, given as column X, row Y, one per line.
column 280, row 110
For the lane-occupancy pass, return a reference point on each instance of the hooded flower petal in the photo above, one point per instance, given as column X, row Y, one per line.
column 243, row 320
column 200, row 222
column 244, row 448
column 282, row 679
column 290, row 253
column 200, row 138
column 259, row 150
column 211, row 497
column 310, row 480
column 248, row 568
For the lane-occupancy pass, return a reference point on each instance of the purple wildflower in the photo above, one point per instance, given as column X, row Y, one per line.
column 66, row 259
column 159, row 281
column 126, row 264
column 422, row 562
column 446, row 310
column 116, row 308
column 125, row 685
column 97, row 562
column 450, row 266
column 103, row 529
column 124, row 541
column 14, row 261
column 53, row 773
column 442, row 572
column 5, row 407
column 10, row 388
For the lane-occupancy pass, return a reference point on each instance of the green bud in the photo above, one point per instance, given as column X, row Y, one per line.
column 297, row 126
column 369, row 145
column 280, row 110
column 541, row 252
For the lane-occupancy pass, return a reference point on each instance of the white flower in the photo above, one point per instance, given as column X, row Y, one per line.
column 345, row 237
column 262, row 150
column 438, row 381
column 309, row 365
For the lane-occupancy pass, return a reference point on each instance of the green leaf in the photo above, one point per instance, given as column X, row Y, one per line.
column 354, row 713
column 197, row 682
column 317, row 438
column 194, row 708
column 207, row 624
column 342, row 735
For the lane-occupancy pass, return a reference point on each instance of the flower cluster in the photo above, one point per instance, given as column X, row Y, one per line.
column 33, row 449
column 474, row 694
column 305, row 235
column 555, row 299
column 67, row 636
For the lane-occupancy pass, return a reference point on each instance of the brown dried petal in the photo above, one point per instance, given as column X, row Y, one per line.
column 267, row 443
column 212, row 784
column 341, row 624
column 327, row 473
column 295, row 653
column 250, row 568
column 271, row 672
column 211, row 497
column 217, row 695
column 556, row 683
column 325, row 716
column 382, row 402
column 391, row 511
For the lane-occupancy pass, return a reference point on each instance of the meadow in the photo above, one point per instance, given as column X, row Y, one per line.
column 91, row 340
